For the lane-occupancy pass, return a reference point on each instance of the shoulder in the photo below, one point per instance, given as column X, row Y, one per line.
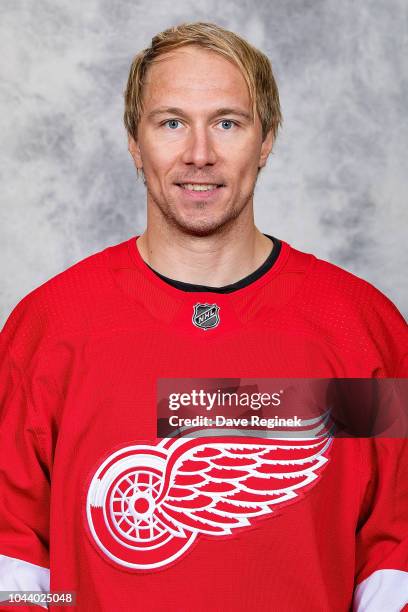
column 343, row 292
column 64, row 303
column 351, row 313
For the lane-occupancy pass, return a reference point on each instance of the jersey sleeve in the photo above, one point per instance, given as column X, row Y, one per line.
column 24, row 477
column 381, row 576
column 382, row 534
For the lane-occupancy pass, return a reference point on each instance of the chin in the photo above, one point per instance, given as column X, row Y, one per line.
column 200, row 221
column 203, row 227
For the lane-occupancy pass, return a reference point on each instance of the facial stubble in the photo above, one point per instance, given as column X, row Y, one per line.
column 200, row 227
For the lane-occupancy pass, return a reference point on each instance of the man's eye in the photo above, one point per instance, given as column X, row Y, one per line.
column 227, row 124
column 172, row 123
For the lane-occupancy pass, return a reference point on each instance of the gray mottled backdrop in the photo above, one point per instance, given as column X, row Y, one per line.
column 336, row 184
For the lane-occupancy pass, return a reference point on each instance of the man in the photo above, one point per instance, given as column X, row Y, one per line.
column 92, row 498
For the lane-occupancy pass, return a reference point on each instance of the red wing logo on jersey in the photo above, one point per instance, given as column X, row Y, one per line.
column 147, row 504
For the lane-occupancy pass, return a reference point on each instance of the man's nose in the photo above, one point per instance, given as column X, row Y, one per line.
column 199, row 149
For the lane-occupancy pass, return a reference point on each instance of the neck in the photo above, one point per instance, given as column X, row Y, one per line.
column 215, row 260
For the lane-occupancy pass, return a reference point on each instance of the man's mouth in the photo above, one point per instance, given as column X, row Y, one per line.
column 200, row 186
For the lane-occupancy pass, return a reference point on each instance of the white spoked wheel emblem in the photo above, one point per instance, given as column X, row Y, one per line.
column 132, row 504
column 122, row 511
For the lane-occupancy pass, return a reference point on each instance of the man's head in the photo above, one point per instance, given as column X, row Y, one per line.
column 201, row 108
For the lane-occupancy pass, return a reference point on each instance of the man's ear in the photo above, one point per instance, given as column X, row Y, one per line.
column 266, row 148
column 134, row 150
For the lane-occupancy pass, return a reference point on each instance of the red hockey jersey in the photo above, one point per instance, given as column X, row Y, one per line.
column 83, row 506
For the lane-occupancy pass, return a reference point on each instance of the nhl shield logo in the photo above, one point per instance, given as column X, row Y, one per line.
column 206, row 316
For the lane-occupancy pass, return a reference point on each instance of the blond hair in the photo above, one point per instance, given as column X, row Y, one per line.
column 254, row 65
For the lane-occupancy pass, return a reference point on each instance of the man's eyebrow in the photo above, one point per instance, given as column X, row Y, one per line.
column 173, row 110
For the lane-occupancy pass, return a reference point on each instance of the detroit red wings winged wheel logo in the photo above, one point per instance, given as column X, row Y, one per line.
column 147, row 504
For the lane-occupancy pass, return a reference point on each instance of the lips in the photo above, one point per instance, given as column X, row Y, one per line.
column 200, row 191
column 201, row 187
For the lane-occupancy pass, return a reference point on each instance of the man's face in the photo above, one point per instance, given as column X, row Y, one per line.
column 196, row 132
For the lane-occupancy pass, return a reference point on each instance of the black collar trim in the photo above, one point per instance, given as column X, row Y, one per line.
column 244, row 282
